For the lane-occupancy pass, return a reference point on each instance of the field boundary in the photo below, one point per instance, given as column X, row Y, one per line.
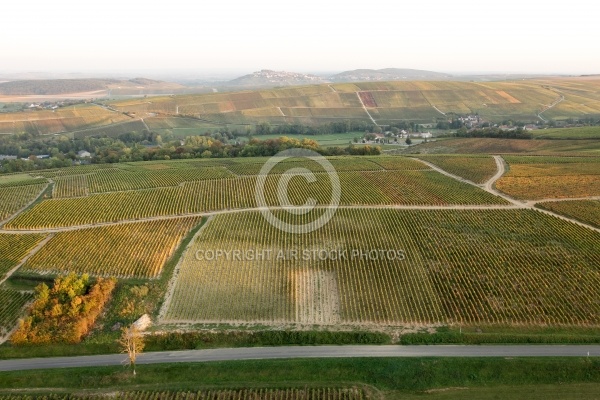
column 562, row 199
column 365, row 108
column 254, row 209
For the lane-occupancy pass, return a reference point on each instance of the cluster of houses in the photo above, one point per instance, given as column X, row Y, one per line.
column 82, row 155
column 474, row 121
column 45, row 106
column 528, row 127
column 391, row 137
column 470, row 121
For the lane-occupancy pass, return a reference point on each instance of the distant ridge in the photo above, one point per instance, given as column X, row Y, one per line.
column 65, row 86
column 388, row 74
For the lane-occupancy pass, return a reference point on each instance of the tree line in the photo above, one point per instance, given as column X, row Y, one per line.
column 494, row 132
column 127, row 148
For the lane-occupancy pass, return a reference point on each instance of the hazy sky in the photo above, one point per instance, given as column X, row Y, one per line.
column 305, row 36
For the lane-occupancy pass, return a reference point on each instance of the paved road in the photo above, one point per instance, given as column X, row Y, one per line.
column 258, row 353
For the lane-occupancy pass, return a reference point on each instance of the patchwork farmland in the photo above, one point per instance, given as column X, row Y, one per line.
column 464, row 242
column 386, row 102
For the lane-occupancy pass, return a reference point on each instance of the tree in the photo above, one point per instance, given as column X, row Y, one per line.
column 408, row 141
column 132, row 343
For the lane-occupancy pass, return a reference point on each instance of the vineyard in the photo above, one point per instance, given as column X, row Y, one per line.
column 477, row 169
column 12, row 304
column 341, row 164
column 509, row 146
column 387, row 101
column 13, row 198
column 548, row 187
column 218, row 394
column 358, row 188
column 541, row 159
column 119, row 180
column 60, row 120
column 13, row 248
column 116, row 180
column 128, row 250
column 111, row 130
column 551, row 177
column 70, row 186
column 90, row 179
column 515, row 267
column 587, row 211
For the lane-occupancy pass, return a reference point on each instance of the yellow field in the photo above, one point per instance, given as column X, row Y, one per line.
column 129, row 250
column 536, row 178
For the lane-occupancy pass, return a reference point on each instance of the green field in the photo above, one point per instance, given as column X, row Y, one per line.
column 584, row 132
column 181, row 127
column 381, row 378
column 111, row 130
column 12, row 179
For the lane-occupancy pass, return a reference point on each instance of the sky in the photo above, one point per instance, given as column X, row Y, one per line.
column 305, row 36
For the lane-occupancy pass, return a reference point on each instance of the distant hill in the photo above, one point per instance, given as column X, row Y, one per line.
column 386, row 102
column 53, row 86
column 68, row 86
column 269, row 78
column 388, row 74
column 143, row 81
